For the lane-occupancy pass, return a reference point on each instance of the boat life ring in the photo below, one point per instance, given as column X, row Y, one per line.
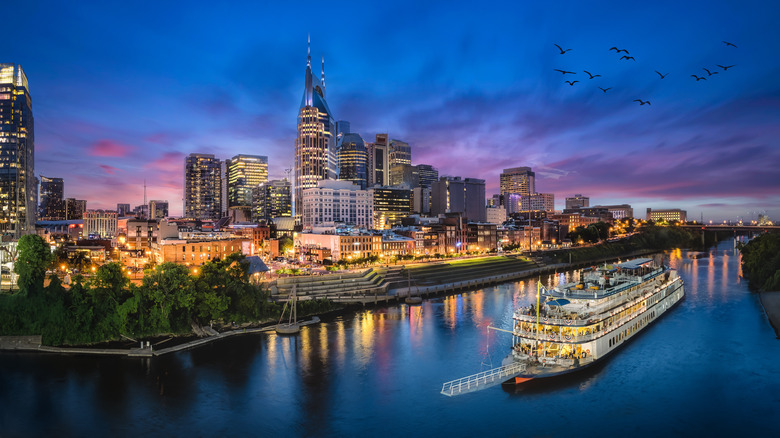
column 552, row 336
column 568, row 322
column 587, row 351
column 583, row 355
column 567, row 337
column 544, row 319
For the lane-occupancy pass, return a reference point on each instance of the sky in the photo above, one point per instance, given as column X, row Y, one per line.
column 123, row 91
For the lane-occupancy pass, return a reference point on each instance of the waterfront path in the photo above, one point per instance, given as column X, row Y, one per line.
column 33, row 343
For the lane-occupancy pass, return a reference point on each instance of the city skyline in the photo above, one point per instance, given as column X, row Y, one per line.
column 120, row 96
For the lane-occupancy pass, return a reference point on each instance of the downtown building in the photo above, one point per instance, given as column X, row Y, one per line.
column 100, row 224
column 75, row 208
column 334, row 203
column 391, row 205
column 158, row 209
column 244, row 173
column 315, row 148
column 272, row 199
column 456, row 195
column 400, row 153
column 379, row 161
column 202, row 187
column 123, row 210
column 577, row 201
column 52, row 200
column 353, row 159
column 518, row 180
column 17, row 150
column 667, row 214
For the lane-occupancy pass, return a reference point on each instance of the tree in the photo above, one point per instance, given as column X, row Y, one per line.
column 31, row 264
column 170, row 289
column 80, row 261
column 110, row 280
column 285, row 244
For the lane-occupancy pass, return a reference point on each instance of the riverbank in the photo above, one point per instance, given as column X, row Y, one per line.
column 450, row 280
column 771, row 303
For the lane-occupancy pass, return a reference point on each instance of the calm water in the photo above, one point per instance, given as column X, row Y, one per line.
column 711, row 365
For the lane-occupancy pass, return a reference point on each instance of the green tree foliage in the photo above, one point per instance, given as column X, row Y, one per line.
column 81, row 261
column 650, row 238
column 761, row 262
column 171, row 291
column 285, row 244
column 31, row 264
column 168, row 300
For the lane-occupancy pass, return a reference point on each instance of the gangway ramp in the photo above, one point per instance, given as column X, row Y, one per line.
column 482, row 380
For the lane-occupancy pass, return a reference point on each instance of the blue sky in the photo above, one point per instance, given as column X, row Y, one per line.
column 122, row 91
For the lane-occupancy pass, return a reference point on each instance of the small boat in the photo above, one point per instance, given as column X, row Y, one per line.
column 292, row 326
column 413, row 300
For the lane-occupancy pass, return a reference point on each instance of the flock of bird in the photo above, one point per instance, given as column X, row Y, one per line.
column 627, row 57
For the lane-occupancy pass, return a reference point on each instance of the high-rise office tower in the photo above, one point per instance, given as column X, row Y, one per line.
column 404, row 174
column 17, row 153
column 52, row 202
column 202, row 187
column 518, row 180
column 272, row 199
column 353, row 160
column 427, row 174
column 400, row 153
column 315, row 146
column 245, row 172
column 158, row 209
column 75, row 208
column 379, row 161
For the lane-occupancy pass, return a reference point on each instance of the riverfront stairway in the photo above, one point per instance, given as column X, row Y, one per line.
column 469, row 269
column 338, row 285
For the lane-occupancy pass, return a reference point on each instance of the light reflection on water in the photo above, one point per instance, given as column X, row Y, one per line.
column 708, row 366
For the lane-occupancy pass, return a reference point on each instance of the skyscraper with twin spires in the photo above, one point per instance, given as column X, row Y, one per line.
column 315, row 146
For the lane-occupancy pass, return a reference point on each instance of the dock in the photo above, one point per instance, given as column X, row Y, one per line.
column 33, row 343
column 482, row 380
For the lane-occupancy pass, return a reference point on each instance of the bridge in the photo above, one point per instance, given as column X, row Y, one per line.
column 733, row 227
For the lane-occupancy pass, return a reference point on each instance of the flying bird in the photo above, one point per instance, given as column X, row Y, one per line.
column 591, row 76
column 725, row 67
column 709, row 73
column 699, row 78
column 729, row 44
column 564, row 71
column 570, row 82
column 642, row 102
column 559, row 48
column 627, row 57
column 605, row 89
column 618, row 50
column 662, row 76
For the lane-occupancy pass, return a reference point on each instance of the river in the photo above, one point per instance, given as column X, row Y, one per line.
column 710, row 366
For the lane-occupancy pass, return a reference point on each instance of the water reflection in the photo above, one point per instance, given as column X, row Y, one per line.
column 361, row 374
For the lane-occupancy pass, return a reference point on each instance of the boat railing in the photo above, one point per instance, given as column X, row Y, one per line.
column 481, row 380
column 588, row 319
column 557, row 337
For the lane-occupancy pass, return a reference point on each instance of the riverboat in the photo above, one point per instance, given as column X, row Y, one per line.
column 576, row 325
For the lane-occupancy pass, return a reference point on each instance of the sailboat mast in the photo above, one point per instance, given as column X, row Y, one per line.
column 538, row 292
column 294, row 313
